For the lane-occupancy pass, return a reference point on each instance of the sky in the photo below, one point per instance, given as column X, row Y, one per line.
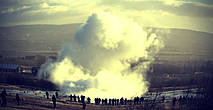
column 185, row 14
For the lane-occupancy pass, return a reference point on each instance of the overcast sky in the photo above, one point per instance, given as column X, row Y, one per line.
column 187, row 14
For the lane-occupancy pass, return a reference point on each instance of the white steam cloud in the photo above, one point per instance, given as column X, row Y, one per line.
column 108, row 57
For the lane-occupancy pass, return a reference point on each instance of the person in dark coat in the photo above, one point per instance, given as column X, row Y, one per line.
column 17, row 99
column 47, row 94
column 125, row 101
column 173, row 101
column 54, row 101
column 56, row 94
column 71, row 97
column 163, row 99
column 82, row 99
column 74, row 98
column 4, row 98
column 88, row 100
column 83, row 105
column 122, row 101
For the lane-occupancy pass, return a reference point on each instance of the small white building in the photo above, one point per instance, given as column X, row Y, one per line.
column 9, row 68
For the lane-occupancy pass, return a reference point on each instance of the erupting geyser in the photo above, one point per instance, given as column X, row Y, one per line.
column 108, row 57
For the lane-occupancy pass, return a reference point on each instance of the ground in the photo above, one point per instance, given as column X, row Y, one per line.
column 32, row 103
column 63, row 103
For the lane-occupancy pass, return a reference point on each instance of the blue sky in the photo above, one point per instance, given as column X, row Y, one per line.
column 187, row 14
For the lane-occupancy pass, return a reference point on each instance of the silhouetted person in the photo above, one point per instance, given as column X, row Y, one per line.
column 173, row 101
column 122, row 101
column 110, row 101
column 74, row 98
column 141, row 100
column 4, row 98
column 54, row 101
column 180, row 100
column 82, row 99
column 78, row 99
column 184, row 100
column 99, row 100
column 105, row 101
column 17, row 99
column 125, row 101
column 56, row 94
column 102, row 101
column 113, row 101
column 47, row 94
column 137, row 99
column 70, row 97
column 95, row 101
column 163, row 99
column 117, row 101
column 84, row 105
column 88, row 100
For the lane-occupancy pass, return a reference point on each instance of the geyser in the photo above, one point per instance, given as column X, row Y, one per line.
column 108, row 58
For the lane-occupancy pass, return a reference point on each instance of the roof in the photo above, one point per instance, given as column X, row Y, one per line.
column 9, row 66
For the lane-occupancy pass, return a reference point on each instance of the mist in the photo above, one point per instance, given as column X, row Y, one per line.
column 108, row 57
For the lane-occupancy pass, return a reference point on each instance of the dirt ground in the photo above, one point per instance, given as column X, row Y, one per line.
column 34, row 103
column 63, row 103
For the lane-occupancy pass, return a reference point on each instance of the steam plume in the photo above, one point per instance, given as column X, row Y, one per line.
column 108, row 57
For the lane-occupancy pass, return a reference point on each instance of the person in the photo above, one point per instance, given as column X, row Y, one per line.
column 105, row 101
column 122, row 101
column 70, row 97
column 125, row 101
column 95, row 101
column 47, row 94
column 163, row 99
column 84, row 105
column 56, row 94
column 141, row 100
column 173, row 101
column 82, row 99
column 54, row 101
column 110, row 101
column 137, row 100
column 117, row 101
column 180, row 100
column 113, row 101
column 74, row 98
column 78, row 99
column 4, row 98
column 88, row 100
column 102, row 101
column 17, row 99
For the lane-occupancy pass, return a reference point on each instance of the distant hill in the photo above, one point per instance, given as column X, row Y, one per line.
column 189, row 41
column 29, row 39
column 43, row 39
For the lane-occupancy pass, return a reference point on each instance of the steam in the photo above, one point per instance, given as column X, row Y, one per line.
column 108, row 57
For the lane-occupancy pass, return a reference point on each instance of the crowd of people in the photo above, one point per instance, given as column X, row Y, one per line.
column 3, row 98
column 53, row 98
column 182, row 100
column 189, row 101
column 113, row 101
